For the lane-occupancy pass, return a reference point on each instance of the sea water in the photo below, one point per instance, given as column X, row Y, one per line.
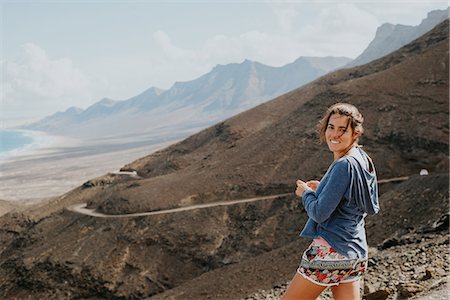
column 13, row 141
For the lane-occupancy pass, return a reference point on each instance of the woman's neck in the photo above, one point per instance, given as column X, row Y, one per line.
column 337, row 155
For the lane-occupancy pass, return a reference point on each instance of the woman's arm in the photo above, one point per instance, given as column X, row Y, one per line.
column 320, row 207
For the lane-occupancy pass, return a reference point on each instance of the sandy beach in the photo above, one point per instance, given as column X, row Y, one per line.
column 58, row 164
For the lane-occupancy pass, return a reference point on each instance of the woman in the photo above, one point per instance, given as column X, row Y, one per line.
column 336, row 207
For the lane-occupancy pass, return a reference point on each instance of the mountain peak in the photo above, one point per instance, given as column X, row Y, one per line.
column 107, row 102
column 73, row 110
column 326, row 64
column 385, row 29
column 245, row 63
column 390, row 37
column 153, row 91
column 437, row 13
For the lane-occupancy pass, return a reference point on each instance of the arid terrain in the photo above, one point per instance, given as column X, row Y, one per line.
column 414, row 253
column 251, row 249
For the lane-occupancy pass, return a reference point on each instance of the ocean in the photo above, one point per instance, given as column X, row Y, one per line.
column 13, row 141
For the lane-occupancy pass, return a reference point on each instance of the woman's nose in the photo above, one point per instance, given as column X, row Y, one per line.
column 335, row 134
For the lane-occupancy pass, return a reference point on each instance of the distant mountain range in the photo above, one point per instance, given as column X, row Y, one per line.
column 224, row 91
column 390, row 37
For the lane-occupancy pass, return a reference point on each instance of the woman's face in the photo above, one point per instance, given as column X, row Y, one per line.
column 339, row 135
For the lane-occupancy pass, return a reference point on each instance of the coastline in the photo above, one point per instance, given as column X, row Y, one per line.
column 57, row 164
column 41, row 143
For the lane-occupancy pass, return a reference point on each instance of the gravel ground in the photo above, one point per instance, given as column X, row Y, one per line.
column 416, row 268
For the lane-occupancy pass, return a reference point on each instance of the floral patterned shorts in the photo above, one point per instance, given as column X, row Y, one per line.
column 322, row 265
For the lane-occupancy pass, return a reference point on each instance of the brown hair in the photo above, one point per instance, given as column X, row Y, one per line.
column 345, row 109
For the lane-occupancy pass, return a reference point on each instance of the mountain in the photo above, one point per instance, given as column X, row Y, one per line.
column 53, row 251
column 391, row 37
column 144, row 101
column 224, row 91
column 326, row 64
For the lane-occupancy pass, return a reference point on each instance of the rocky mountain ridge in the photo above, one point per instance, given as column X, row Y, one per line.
column 390, row 37
column 221, row 93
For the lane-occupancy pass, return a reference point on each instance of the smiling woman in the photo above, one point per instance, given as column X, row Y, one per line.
column 336, row 208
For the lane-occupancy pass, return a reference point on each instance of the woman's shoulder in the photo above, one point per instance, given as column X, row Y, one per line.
column 344, row 161
column 346, row 164
column 343, row 164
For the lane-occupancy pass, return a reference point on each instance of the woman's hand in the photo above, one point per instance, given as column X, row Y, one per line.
column 313, row 184
column 301, row 187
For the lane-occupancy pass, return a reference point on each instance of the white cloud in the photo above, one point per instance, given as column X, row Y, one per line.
column 163, row 41
column 399, row 12
column 339, row 30
column 172, row 60
column 286, row 13
column 41, row 84
column 324, row 28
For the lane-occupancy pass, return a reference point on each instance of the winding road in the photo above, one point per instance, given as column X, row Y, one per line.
column 82, row 209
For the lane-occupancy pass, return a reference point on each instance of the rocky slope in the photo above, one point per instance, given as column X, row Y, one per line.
column 51, row 252
column 405, row 251
column 5, row 207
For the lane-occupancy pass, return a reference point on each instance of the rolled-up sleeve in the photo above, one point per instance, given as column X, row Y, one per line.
column 320, row 206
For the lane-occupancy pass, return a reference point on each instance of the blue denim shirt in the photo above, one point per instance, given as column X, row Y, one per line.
column 346, row 194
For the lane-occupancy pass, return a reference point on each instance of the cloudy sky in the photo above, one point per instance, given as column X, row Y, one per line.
column 57, row 54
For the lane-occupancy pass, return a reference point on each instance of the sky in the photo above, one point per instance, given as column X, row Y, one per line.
column 58, row 54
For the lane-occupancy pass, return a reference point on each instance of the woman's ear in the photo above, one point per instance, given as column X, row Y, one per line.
column 356, row 134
